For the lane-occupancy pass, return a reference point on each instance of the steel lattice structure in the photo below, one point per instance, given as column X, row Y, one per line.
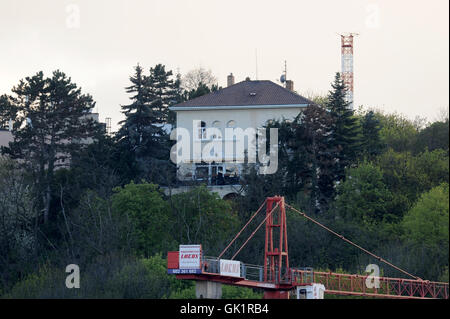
column 347, row 65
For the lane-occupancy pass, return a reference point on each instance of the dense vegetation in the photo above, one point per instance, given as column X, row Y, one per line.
column 379, row 179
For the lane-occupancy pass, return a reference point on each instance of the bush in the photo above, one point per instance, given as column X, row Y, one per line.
column 364, row 196
column 427, row 222
column 143, row 205
column 201, row 217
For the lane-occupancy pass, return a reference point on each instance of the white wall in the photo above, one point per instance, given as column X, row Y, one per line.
column 243, row 118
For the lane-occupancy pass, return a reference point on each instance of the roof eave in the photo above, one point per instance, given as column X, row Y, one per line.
column 236, row 107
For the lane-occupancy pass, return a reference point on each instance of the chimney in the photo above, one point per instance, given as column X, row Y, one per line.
column 230, row 79
column 290, row 85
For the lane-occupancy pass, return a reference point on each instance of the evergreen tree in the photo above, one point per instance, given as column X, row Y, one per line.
column 201, row 89
column 51, row 123
column 316, row 153
column 177, row 98
column 162, row 92
column 371, row 144
column 345, row 128
column 143, row 137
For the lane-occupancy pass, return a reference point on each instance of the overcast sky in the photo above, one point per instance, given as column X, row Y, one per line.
column 401, row 59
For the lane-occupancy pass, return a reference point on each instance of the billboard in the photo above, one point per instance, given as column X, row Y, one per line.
column 230, row 268
column 190, row 256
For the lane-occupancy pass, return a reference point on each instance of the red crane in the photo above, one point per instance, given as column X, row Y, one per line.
column 277, row 278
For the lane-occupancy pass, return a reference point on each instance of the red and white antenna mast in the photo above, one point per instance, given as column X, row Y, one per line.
column 347, row 65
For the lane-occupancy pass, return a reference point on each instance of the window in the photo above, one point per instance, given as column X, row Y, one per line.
column 202, row 131
column 231, row 123
column 216, row 126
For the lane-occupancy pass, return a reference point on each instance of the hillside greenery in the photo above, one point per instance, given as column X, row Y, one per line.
column 381, row 180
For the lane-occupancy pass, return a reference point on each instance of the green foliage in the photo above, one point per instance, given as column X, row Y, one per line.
column 408, row 176
column 143, row 279
column 371, row 140
column 444, row 275
column 427, row 222
column 228, row 292
column 108, row 277
column 397, row 132
column 233, row 292
column 317, row 153
column 364, row 196
column 144, row 206
column 434, row 136
column 17, row 218
column 380, row 180
column 47, row 282
column 143, row 143
column 345, row 128
column 201, row 217
column 93, row 230
column 202, row 89
column 183, row 293
column 49, row 124
column 431, row 168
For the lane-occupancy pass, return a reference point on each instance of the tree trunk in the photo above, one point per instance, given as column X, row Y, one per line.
column 47, row 199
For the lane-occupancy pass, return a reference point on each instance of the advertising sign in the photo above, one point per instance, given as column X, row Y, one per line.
column 190, row 256
column 230, row 268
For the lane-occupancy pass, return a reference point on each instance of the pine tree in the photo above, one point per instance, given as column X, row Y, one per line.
column 162, row 92
column 51, row 123
column 177, row 98
column 202, row 89
column 345, row 128
column 143, row 138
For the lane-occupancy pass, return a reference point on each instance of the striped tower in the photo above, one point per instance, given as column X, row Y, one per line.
column 347, row 65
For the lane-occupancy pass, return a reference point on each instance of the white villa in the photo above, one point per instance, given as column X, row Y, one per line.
column 247, row 104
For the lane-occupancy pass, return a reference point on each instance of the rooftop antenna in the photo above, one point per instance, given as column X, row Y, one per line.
column 256, row 62
column 283, row 77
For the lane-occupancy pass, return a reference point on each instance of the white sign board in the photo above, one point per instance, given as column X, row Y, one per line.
column 230, row 268
column 190, row 256
column 314, row 291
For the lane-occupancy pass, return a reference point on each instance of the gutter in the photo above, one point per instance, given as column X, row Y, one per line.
column 236, row 107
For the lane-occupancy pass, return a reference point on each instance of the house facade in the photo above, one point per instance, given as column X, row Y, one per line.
column 221, row 117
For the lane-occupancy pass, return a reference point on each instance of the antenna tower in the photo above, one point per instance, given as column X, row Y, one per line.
column 347, row 65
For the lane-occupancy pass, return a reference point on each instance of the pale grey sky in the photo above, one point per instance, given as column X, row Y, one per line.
column 401, row 59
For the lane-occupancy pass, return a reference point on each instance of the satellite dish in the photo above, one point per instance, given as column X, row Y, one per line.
column 283, row 78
